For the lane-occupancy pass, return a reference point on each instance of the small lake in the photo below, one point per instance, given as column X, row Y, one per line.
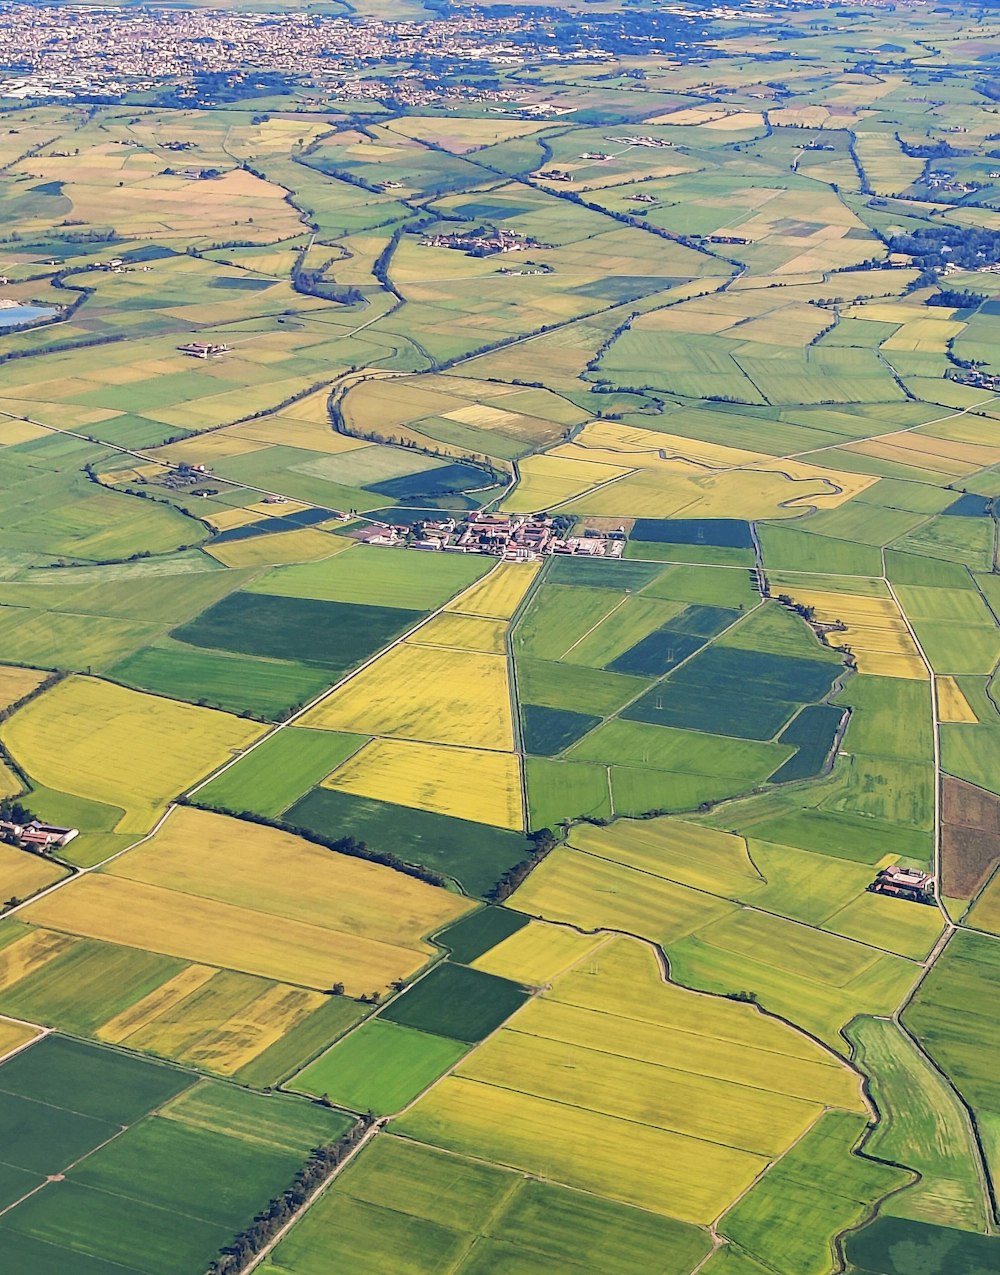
column 11, row 316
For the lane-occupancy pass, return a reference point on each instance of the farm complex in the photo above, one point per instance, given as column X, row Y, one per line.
column 500, row 638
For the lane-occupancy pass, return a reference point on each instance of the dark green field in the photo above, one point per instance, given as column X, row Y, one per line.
column 330, row 635
column 603, row 573
column 233, row 682
column 473, row 935
column 548, row 731
column 727, row 533
column 456, row 1001
column 474, row 854
column 727, row 691
column 150, row 1169
column 897, row 1246
column 812, row 732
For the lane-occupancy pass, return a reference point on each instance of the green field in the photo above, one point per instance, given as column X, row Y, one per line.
column 285, row 767
column 380, row 1067
column 455, row 1001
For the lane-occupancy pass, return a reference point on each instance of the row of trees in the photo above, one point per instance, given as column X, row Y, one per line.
column 322, row 1164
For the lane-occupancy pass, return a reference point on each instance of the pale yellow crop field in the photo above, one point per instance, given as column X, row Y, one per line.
column 705, row 1087
column 537, row 953
column 465, row 632
column 550, row 480
column 121, row 747
column 197, row 853
column 425, row 693
column 466, row 783
column 245, row 1035
column 10, row 783
column 952, row 704
column 29, row 953
column 14, row 1035
column 595, row 894
column 166, row 997
column 875, row 630
column 685, row 852
column 610, row 442
column 749, row 1117
column 307, row 544
column 22, row 874
column 497, row 595
column 656, row 1169
column 15, row 683
column 228, row 519
column 208, row 932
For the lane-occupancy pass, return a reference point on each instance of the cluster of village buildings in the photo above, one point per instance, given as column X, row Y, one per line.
column 484, row 242
column 513, row 536
column 904, row 883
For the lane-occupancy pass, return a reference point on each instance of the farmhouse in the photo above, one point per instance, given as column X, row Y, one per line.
column 36, row 835
column 203, row 349
column 904, row 883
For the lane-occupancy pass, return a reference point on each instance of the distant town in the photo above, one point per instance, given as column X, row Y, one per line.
column 512, row 536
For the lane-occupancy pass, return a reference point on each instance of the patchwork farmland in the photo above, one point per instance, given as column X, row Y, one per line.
column 500, row 640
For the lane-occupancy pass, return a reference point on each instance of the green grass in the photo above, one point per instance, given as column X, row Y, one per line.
column 719, row 587
column 43, row 1139
column 408, row 1208
column 970, row 751
column 952, row 1016
column 561, row 790
column 456, row 1001
column 262, row 686
column 377, row 577
column 603, row 573
column 216, row 1177
column 380, row 1067
column 890, row 717
column 99, row 1083
column 791, row 550
column 629, row 743
column 117, row 1229
column 574, row 687
column 44, row 1258
column 923, row 1125
column 270, row 778
column 818, row 1179
column 558, row 616
column 472, row 853
column 277, row 1120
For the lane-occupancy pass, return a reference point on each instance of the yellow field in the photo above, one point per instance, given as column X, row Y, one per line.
column 14, row 1035
column 537, row 953
column 15, row 683
column 662, row 1171
column 704, row 1091
column 241, row 1038
column 29, row 953
column 425, row 693
column 305, row 545
column 227, row 519
column 22, row 874
column 465, row 632
column 549, row 480
column 875, row 630
column 498, row 594
column 952, row 704
column 117, row 1030
column 10, row 783
column 594, row 894
column 121, row 747
column 116, row 910
column 467, row 783
column 274, row 873
column 685, row 852
column 612, row 443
